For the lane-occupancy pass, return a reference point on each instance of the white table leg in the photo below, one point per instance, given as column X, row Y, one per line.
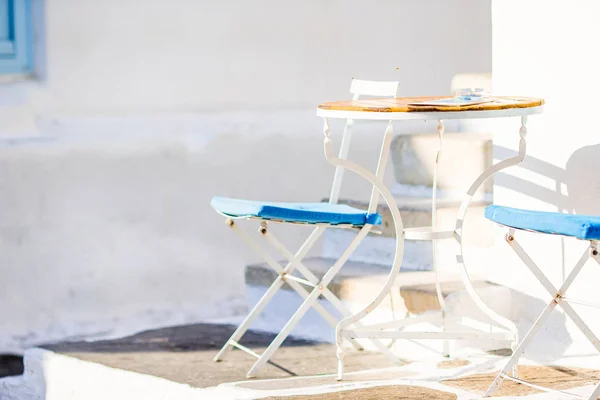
column 377, row 183
column 438, row 286
column 379, row 189
column 458, row 232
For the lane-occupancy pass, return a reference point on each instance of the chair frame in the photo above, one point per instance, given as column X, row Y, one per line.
column 558, row 299
column 316, row 287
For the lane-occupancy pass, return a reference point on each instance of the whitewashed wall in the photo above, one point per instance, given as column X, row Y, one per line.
column 143, row 110
column 534, row 56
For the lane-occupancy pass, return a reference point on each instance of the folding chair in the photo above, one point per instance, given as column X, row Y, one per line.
column 577, row 226
column 322, row 216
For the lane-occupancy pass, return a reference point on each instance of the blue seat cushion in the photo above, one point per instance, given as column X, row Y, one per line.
column 310, row 213
column 579, row 226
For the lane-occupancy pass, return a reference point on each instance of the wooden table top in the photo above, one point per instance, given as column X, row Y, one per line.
column 401, row 105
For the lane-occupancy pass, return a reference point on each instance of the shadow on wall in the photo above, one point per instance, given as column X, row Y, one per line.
column 582, row 183
column 579, row 176
column 520, row 185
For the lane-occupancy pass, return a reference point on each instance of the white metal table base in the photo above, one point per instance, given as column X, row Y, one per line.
column 345, row 330
column 558, row 299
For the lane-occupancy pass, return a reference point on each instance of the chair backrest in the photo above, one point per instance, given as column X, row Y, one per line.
column 373, row 88
column 358, row 88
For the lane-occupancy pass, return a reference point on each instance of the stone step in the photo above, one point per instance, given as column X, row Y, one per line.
column 418, row 255
column 465, row 153
column 358, row 283
column 262, row 275
column 418, row 290
column 464, row 156
column 416, row 212
column 378, row 250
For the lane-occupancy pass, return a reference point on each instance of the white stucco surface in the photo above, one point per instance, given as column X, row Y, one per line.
column 140, row 114
column 560, row 172
column 185, row 55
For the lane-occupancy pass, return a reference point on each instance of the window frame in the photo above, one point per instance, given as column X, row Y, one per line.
column 16, row 51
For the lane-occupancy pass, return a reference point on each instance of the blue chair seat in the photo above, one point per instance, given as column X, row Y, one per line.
column 309, row 213
column 580, row 226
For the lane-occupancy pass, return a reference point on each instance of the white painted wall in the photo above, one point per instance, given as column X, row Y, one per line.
column 534, row 56
column 143, row 110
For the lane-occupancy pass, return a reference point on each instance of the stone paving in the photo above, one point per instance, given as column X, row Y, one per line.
column 301, row 369
column 184, row 354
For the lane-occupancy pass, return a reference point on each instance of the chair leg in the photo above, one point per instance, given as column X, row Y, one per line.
column 595, row 394
column 339, row 353
column 513, row 347
column 247, row 322
column 294, row 262
column 283, row 334
column 514, row 359
column 275, row 286
column 594, row 253
column 308, row 302
column 557, row 298
column 326, row 292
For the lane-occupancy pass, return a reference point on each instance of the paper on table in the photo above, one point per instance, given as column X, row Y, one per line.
column 453, row 102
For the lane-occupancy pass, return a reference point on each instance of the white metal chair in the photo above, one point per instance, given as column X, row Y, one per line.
column 577, row 226
column 322, row 216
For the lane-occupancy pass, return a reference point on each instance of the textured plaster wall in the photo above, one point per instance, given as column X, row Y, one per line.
column 560, row 172
column 141, row 111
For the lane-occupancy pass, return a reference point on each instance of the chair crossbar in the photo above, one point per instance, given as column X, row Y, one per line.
column 286, row 272
column 275, row 286
column 319, row 289
column 243, row 348
column 558, row 299
column 297, row 284
column 281, row 221
column 288, row 277
column 337, row 226
column 320, row 285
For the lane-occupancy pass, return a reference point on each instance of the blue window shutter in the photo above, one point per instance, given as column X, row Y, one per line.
column 4, row 21
column 6, row 45
column 15, row 37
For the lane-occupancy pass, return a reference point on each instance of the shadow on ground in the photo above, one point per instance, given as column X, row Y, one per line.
column 185, row 354
column 11, row 365
column 178, row 338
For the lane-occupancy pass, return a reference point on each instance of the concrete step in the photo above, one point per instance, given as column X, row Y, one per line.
column 378, row 250
column 464, row 156
column 356, row 285
column 262, row 275
column 416, row 212
column 418, row 255
column 420, row 295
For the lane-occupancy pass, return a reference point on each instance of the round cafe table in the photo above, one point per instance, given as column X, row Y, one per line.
column 398, row 109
